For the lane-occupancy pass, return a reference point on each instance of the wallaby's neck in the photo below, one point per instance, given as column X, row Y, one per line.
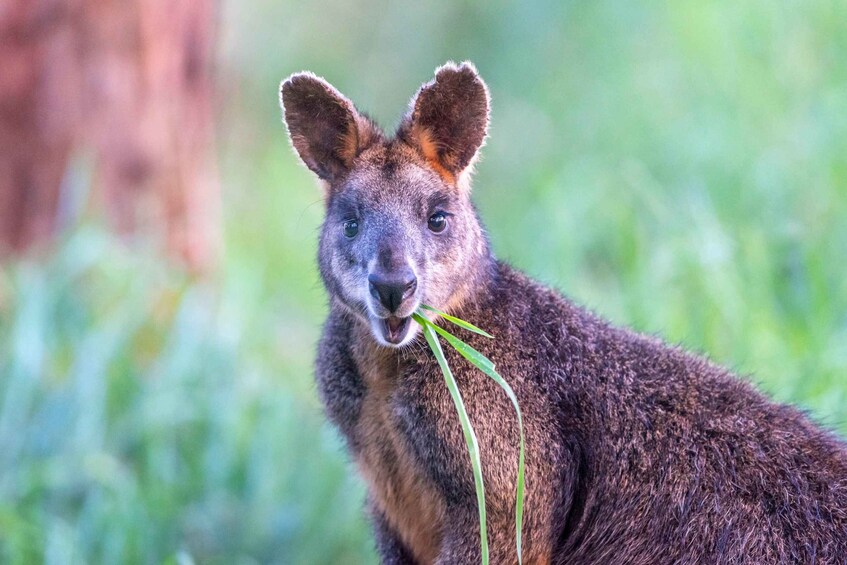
column 475, row 286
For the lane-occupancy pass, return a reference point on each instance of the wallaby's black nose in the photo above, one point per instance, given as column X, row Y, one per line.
column 393, row 288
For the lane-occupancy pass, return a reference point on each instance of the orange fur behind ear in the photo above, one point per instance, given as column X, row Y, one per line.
column 430, row 150
column 349, row 144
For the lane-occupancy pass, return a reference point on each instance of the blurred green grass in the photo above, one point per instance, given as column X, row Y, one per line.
column 681, row 168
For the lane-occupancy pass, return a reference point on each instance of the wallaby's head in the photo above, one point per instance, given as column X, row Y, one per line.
column 400, row 229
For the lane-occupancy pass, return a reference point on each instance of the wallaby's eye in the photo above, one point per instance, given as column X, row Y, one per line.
column 437, row 222
column 351, row 228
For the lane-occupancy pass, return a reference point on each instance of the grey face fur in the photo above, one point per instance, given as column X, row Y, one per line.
column 400, row 229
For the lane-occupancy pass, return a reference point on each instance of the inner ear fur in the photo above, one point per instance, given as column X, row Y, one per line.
column 448, row 120
column 325, row 128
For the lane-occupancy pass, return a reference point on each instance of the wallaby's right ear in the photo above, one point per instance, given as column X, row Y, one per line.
column 324, row 126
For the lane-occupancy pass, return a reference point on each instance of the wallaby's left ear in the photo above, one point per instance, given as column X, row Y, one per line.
column 448, row 119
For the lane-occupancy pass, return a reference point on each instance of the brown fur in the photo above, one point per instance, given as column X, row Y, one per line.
column 409, row 500
column 637, row 452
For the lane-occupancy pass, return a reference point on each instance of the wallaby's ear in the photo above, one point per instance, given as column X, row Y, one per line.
column 448, row 119
column 325, row 128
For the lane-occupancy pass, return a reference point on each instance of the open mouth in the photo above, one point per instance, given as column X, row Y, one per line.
column 394, row 329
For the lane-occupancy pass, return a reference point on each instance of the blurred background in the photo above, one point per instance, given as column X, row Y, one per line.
column 678, row 167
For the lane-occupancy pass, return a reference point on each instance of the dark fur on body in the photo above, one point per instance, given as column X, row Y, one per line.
column 637, row 452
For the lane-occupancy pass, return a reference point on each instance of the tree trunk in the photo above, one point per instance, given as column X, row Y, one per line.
column 130, row 84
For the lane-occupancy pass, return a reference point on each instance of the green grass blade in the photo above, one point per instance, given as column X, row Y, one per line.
column 467, row 428
column 459, row 322
column 485, row 365
column 468, row 352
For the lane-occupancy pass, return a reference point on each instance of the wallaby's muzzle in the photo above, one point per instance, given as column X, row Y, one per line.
column 394, row 298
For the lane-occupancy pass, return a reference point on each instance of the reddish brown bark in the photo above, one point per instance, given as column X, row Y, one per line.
column 127, row 82
column 37, row 117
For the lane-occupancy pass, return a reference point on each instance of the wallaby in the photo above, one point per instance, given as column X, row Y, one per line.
column 637, row 452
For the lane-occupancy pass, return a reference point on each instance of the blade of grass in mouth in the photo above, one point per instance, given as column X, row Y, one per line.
column 431, row 331
column 467, row 428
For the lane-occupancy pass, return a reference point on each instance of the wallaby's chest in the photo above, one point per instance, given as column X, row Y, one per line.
column 397, row 484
